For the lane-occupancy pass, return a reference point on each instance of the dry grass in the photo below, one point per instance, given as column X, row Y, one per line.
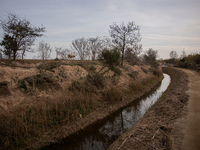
column 28, row 122
column 112, row 94
column 4, row 89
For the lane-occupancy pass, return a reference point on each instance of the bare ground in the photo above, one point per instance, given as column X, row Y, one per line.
column 191, row 122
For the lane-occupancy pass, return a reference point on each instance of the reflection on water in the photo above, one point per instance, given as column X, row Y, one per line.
column 100, row 135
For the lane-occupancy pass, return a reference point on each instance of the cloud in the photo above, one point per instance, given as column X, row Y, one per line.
column 165, row 24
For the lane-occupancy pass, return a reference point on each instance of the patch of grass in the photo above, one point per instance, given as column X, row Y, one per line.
column 41, row 81
column 49, row 65
column 75, row 85
column 4, row 89
column 112, row 94
column 27, row 122
column 156, row 71
column 92, row 68
column 96, row 79
column 135, row 86
column 23, row 85
column 164, row 96
column 134, row 74
column 144, row 70
column 116, row 70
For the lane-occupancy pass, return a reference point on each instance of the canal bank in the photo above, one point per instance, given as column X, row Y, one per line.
column 100, row 135
column 97, row 115
column 157, row 129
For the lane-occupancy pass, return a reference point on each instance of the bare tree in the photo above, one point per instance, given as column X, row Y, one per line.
column 44, row 50
column 64, row 53
column 58, row 51
column 125, row 36
column 173, row 54
column 131, row 53
column 27, row 48
column 18, row 34
column 94, row 45
column 106, row 43
column 80, row 45
column 183, row 54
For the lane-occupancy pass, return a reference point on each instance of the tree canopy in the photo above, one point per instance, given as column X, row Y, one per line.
column 18, row 34
column 125, row 37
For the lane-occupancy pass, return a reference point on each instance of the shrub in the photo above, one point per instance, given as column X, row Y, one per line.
column 116, row 70
column 135, row 86
column 75, row 85
column 4, row 88
column 110, row 57
column 134, row 74
column 49, row 65
column 42, row 81
column 112, row 94
column 96, row 79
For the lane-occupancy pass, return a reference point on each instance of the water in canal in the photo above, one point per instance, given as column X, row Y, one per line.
column 100, row 135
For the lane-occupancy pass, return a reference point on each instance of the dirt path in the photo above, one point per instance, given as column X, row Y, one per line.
column 191, row 139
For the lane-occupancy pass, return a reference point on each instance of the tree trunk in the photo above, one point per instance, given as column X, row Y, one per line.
column 23, row 54
column 122, row 60
column 122, row 55
column 14, row 54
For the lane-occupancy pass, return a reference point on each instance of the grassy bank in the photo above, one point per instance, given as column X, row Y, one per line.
column 39, row 121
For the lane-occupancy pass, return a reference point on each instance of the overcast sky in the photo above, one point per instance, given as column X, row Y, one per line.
column 165, row 25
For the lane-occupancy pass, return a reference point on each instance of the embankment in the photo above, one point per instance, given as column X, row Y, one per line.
column 157, row 128
column 97, row 115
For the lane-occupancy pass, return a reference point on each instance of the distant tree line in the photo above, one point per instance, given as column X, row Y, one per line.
column 19, row 37
column 191, row 61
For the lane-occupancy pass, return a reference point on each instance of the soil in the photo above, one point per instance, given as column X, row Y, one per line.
column 173, row 122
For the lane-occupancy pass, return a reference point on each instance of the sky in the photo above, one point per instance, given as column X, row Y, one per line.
column 165, row 25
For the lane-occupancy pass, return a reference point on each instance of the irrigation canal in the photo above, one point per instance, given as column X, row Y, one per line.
column 100, row 135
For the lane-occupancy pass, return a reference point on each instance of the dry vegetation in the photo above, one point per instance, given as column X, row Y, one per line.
column 156, row 129
column 40, row 97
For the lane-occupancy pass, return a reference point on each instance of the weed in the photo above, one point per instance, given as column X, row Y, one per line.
column 164, row 96
column 96, row 79
column 144, row 70
column 134, row 74
column 62, row 73
column 75, row 85
column 156, row 71
column 4, row 88
column 49, row 65
column 112, row 94
column 116, row 70
column 23, row 85
column 41, row 81
column 92, row 68
column 135, row 86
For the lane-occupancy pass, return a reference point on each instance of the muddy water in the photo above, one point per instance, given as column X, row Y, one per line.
column 100, row 135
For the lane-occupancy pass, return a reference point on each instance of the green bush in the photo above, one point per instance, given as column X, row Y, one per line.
column 116, row 70
column 110, row 57
column 96, row 80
